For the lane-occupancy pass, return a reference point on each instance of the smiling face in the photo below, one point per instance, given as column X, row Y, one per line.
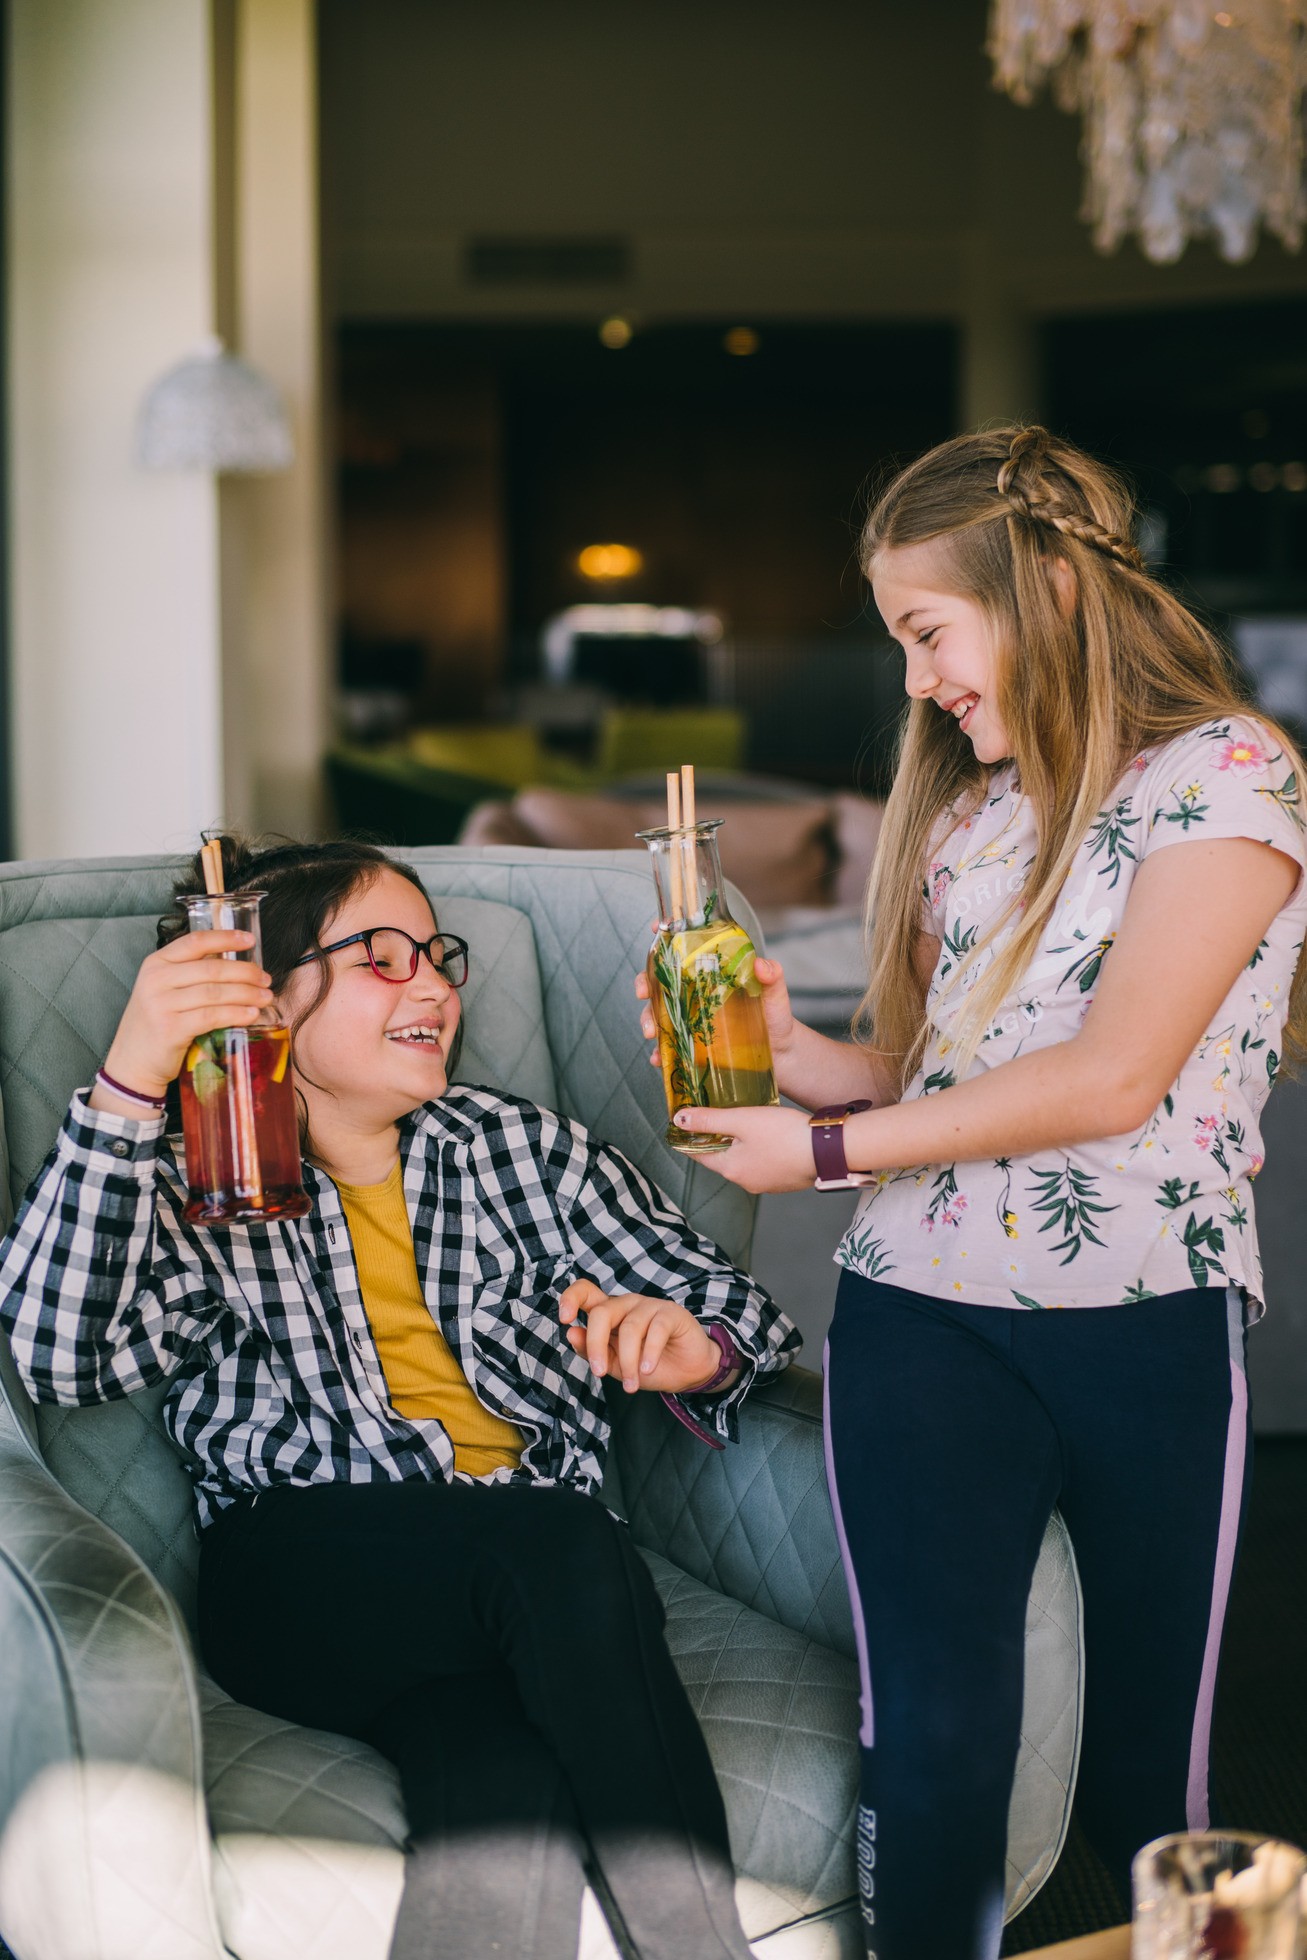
column 948, row 643
column 374, row 1050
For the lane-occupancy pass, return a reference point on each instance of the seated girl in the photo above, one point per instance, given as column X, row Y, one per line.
column 393, row 1411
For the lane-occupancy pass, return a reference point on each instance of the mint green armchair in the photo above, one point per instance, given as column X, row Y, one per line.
column 146, row 1816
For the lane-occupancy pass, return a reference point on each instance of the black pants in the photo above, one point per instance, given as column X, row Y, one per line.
column 952, row 1431
column 503, row 1646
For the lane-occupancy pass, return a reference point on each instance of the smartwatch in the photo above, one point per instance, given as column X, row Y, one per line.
column 827, row 1127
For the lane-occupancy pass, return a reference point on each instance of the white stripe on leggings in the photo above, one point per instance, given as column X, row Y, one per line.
column 1200, row 1746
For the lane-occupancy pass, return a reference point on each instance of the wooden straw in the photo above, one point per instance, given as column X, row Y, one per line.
column 211, row 861
column 674, row 854
column 690, row 859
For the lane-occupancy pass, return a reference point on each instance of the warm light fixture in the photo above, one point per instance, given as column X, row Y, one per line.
column 214, row 411
column 616, row 332
column 619, row 621
column 609, row 561
column 1193, row 119
column 741, row 340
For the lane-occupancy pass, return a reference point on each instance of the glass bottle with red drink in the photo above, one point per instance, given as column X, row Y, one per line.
column 239, row 1117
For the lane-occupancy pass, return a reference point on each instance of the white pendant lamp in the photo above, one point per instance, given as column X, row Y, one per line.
column 213, row 411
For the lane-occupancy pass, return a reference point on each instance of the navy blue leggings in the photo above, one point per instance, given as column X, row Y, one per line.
column 952, row 1431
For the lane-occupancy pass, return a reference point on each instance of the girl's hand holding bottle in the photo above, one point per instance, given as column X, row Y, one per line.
column 771, row 1149
column 781, row 1024
column 185, row 990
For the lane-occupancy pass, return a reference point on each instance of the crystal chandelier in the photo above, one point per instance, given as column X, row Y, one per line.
column 1192, row 113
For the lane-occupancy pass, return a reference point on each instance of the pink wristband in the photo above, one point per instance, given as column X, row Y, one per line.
column 106, row 1081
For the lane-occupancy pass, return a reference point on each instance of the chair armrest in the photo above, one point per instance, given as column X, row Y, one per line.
column 104, row 1838
column 753, row 1520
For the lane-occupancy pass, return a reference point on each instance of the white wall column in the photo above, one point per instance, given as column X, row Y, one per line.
column 276, row 652
column 114, row 623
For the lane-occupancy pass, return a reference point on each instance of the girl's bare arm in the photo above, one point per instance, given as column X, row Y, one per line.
column 1197, row 913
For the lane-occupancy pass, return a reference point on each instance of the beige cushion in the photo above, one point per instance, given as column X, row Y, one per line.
column 857, row 828
column 777, row 853
column 495, row 823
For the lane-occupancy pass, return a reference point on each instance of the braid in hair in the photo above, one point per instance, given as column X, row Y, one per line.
column 1023, row 484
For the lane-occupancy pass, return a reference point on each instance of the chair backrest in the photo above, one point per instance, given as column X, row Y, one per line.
column 555, row 938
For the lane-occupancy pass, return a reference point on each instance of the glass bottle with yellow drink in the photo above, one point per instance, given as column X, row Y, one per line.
column 707, row 1002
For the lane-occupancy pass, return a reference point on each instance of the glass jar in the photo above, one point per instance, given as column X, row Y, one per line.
column 707, row 1001
column 239, row 1118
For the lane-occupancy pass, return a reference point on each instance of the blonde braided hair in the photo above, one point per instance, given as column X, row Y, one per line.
column 1025, row 486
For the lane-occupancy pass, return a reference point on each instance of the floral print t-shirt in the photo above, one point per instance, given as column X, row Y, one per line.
column 1122, row 1218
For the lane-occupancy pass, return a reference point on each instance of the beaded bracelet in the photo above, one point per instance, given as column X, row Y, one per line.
column 106, row 1081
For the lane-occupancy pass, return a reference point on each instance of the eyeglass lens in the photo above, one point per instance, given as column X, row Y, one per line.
column 395, row 956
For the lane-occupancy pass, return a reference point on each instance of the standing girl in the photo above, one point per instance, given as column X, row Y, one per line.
column 1086, row 917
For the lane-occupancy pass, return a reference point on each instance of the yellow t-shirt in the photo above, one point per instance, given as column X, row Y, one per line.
column 422, row 1374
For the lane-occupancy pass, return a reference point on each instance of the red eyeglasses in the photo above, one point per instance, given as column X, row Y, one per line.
column 393, row 953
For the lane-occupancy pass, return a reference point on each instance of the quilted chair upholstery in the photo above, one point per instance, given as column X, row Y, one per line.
column 146, row 1816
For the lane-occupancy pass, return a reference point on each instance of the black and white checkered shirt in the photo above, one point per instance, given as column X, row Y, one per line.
column 261, row 1330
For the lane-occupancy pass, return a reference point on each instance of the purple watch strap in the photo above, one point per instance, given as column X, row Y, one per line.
column 828, row 1138
column 731, row 1359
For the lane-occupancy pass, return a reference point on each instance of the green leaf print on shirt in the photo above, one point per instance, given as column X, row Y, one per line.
column 1196, row 1237
column 1069, row 1197
column 1007, row 1218
column 868, row 1254
column 1188, row 810
column 1089, row 965
column 1286, row 796
column 958, row 942
column 1134, row 1294
column 1110, row 835
column 1237, row 1216
column 943, row 1078
column 1203, row 1241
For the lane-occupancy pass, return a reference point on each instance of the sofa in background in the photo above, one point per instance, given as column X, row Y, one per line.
column 801, row 857
column 419, row 788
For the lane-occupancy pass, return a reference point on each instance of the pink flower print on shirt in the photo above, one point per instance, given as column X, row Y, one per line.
column 947, row 1203
column 1241, row 758
column 940, row 879
column 1205, row 1134
column 1255, row 1163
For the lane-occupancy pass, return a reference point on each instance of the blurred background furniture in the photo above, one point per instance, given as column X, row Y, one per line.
column 420, row 787
column 142, row 1812
column 802, row 858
